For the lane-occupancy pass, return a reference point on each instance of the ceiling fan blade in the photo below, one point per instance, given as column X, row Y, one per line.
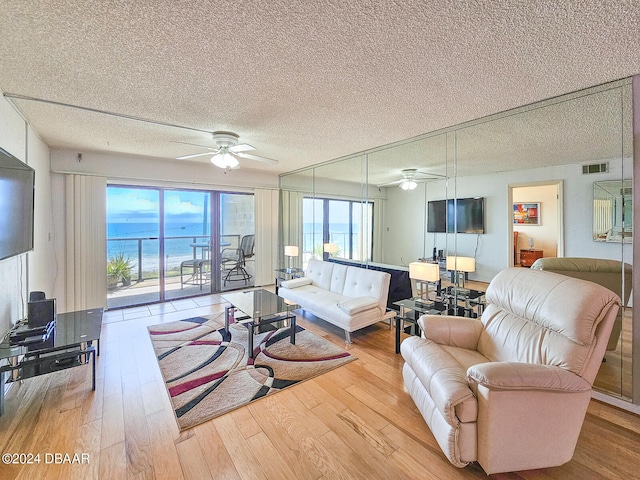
column 256, row 158
column 184, row 157
column 388, row 184
column 429, row 176
column 243, row 147
column 194, row 144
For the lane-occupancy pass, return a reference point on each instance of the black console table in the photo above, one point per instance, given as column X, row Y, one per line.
column 70, row 344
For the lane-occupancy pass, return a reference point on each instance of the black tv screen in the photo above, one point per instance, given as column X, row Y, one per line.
column 16, row 206
column 468, row 213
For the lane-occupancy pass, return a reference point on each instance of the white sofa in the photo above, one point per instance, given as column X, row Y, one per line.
column 349, row 297
column 510, row 390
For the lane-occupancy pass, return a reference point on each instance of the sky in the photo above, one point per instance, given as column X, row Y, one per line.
column 140, row 205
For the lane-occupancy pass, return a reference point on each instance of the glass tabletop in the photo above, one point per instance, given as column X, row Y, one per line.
column 70, row 329
column 290, row 270
column 419, row 305
column 259, row 303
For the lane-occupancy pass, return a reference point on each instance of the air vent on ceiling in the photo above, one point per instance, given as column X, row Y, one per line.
column 595, row 168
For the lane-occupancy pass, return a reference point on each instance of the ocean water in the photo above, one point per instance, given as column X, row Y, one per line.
column 140, row 241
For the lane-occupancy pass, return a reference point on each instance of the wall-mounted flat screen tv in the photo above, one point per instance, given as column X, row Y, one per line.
column 16, row 206
column 467, row 213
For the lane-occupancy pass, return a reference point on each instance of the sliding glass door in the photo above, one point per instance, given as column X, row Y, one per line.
column 187, row 258
column 166, row 244
column 133, row 246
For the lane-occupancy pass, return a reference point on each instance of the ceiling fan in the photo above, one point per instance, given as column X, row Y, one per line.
column 228, row 152
column 410, row 179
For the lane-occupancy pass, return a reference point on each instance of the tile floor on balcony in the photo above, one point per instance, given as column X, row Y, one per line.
column 147, row 292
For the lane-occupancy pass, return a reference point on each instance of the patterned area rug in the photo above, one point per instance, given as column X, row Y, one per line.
column 207, row 372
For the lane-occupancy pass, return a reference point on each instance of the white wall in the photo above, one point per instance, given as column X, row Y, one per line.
column 404, row 228
column 42, row 261
column 405, row 238
column 32, row 271
column 153, row 171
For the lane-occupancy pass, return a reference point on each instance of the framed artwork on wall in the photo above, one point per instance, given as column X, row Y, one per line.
column 526, row 213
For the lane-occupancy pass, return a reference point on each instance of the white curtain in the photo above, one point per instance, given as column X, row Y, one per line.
column 266, row 228
column 291, row 221
column 86, row 267
column 602, row 216
column 378, row 221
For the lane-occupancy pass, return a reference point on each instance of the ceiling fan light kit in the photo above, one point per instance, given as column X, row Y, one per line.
column 411, row 177
column 228, row 152
column 408, row 184
column 224, row 160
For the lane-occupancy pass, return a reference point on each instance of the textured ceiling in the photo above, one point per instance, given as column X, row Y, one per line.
column 303, row 82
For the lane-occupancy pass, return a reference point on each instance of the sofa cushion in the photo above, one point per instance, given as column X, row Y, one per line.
column 320, row 273
column 324, row 304
column 357, row 305
column 361, row 282
column 338, row 276
column 296, row 282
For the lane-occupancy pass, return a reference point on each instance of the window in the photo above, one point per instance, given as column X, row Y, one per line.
column 345, row 223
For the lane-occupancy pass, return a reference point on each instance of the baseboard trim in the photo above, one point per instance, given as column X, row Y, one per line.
column 616, row 402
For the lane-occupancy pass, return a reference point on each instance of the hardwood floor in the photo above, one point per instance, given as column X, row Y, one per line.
column 354, row 422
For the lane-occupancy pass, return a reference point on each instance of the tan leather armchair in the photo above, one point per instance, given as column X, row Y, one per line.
column 510, row 390
column 607, row 273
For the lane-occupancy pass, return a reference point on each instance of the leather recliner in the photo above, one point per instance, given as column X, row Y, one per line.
column 510, row 390
column 607, row 273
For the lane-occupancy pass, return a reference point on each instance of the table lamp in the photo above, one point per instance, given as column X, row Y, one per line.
column 422, row 273
column 461, row 265
column 330, row 248
column 290, row 251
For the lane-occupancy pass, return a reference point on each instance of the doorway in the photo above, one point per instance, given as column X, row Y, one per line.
column 536, row 222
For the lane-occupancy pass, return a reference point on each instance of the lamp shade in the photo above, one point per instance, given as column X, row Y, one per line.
column 330, row 247
column 462, row 264
column 291, row 251
column 427, row 272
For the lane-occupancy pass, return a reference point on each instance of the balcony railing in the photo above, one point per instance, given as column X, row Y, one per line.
column 143, row 252
column 312, row 245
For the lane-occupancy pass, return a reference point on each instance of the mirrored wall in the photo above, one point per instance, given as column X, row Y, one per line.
column 520, row 185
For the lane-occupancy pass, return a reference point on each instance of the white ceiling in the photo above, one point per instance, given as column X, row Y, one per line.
column 303, row 82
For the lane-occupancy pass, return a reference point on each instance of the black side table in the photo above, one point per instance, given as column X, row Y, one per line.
column 410, row 311
column 283, row 274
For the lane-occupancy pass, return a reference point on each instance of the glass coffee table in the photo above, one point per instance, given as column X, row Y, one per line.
column 262, row 311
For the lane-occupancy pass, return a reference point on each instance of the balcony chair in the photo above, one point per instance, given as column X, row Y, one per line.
column 510, row 390
column 233, row 261
column 197, row 271
column 607, row 273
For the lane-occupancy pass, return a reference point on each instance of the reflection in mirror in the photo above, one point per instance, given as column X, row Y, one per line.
column 613, row 211
column 537, row 151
